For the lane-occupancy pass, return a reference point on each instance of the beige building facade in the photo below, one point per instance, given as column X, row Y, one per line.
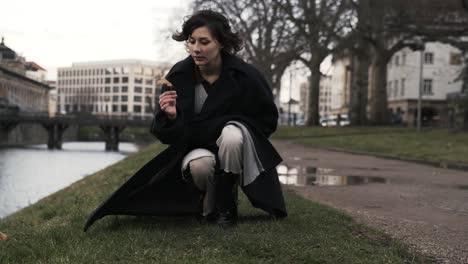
column 117, row 88
column 17, row 91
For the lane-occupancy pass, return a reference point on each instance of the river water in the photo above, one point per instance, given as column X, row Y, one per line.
column 30, row 173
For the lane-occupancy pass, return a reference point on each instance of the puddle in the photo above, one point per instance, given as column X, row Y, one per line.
column 313, row 176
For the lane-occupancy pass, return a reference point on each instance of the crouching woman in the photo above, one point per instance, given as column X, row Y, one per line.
column 216, row 113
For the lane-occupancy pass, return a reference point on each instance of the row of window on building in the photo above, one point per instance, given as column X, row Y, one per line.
column 114, row 108
column 454, row 59
column 398, row 87
column 107, row 71
column 106, row 89
column 94, row 98
column 107, row 80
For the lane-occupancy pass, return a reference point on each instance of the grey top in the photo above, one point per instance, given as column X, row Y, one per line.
column 200, row 97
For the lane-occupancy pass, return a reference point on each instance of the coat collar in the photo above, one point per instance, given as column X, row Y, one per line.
column 230, row 62
column 181, row 75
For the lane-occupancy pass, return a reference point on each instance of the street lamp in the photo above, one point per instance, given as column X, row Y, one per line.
column 289, row 101
column 415, row 46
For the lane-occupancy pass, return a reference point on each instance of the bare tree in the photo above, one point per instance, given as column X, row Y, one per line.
column 360, row 63
column 269, row 40
column 321, row 24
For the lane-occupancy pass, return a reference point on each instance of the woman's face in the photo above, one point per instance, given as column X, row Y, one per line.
column 203, row 47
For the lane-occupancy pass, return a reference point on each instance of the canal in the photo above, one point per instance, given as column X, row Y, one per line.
column 30, row 173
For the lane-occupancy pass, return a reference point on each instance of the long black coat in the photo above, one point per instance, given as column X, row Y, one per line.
column 241, row 94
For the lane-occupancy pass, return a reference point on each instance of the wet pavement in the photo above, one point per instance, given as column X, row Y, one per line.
column 426, row 207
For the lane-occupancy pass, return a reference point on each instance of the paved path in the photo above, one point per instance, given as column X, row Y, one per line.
column 424, row 206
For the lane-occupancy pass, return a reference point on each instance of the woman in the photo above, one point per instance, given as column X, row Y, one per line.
column 216, row 112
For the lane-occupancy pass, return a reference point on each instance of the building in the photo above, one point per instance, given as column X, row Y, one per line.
column 52, row 98
column 441, row 67
column 325, row 97
column 17, row 91
column 340, row 83
column 36, row 72
column 118, row 87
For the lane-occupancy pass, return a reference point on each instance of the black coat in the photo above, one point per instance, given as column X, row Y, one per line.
column 241, row 94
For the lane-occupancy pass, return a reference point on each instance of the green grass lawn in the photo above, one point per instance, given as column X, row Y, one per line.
column 50, row 231
column 431, row 145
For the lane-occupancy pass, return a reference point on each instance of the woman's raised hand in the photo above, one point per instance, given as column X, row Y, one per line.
column 168, row 99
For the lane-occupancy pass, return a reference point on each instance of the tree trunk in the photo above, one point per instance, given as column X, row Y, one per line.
column 379, row 105
column 359, row 86
column 313, row 109
column 465, row 92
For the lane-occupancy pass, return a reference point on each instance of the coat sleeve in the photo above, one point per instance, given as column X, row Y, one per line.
column 260, row 109
column 166, row 130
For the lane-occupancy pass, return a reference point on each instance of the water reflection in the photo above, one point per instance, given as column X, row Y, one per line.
column 29, row 174
column 303, row 176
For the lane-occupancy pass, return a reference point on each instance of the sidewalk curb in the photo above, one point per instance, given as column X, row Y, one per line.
column 438, row 164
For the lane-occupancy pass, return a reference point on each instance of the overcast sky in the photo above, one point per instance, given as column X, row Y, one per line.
column 56, row 33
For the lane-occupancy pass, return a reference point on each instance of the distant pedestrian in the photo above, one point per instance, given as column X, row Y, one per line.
column 216, row 113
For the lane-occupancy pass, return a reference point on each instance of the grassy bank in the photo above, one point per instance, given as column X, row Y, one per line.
column 431, row 145
column 51, row 232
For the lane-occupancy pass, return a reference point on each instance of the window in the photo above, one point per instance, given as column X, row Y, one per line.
column 389, row 88
column 148, row 109
column 124, row 79
column 138, row 80
column 115, row 89
column 403, row 59
column 137, row 70
column 402, row 89
column 124, row 89
column 115, row 108
column 149, row 81
column 137, row 89
column 395, row 92
column 107, row 89
column 108, row 80
column 148, row 90
column 148, row 71
column 137, row 108
column 137, row 98
column 427, row 87
column 428, row 58
column 124, row 109
column 397, row 60
column 115, row 98
column 116, row 79
column 455, row 58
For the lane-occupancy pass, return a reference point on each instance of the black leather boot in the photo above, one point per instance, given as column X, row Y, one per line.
column 226, row 196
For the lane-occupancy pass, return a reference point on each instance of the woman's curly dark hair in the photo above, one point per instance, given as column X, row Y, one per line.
column 218, row 26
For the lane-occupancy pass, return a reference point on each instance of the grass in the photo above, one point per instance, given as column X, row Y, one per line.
column 436, row 145
column 50, row 231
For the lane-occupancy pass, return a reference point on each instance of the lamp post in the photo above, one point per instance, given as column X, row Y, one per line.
column 421, row 85
column 419, row 45
column 289, row 102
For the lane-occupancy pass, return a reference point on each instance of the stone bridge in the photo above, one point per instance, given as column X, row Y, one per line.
column 56, row 125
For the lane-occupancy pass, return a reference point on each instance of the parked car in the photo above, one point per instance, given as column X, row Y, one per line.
column 333, row 120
